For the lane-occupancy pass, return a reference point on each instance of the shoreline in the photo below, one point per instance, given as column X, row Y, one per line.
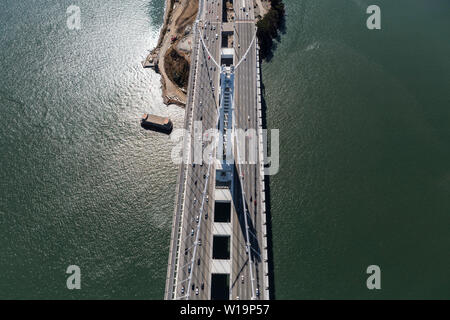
column 172, row 28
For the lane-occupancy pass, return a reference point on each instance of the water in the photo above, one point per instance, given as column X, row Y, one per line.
column 364, row 176
column 365, row 150
column 81, row 182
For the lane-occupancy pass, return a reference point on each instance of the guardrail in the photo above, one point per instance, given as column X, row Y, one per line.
column 261, row 175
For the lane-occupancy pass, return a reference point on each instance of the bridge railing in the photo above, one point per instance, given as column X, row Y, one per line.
column 261, row 162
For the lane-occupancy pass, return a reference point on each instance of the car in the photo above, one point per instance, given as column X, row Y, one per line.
column 200, row 242
column 198, row 261
column 203, row 286
column 192, row 232
column 196, row 291
column 217, row 36
column 189, row 269
column 196, row 219
column 182, row 290
column 242, row 279
column 257, row 292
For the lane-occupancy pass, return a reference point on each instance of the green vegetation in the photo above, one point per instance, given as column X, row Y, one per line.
column 177, row 68
column 269, row 25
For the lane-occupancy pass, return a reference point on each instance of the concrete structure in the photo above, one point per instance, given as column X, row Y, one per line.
column 218, row 242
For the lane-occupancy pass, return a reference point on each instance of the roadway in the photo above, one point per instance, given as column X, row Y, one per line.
column 246, row 120
column 204, row 111
column 195, row 199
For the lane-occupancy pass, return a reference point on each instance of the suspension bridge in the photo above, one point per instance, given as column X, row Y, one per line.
column 218, row 244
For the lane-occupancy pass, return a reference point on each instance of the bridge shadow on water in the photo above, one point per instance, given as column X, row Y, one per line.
column 268, row 204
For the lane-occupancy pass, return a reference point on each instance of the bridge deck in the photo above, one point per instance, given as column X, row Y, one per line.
column 190, row 264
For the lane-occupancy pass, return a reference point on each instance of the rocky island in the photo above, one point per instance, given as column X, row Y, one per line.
column 172, row 55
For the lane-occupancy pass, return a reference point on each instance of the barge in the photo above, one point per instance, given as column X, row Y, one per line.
column 156, row 123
